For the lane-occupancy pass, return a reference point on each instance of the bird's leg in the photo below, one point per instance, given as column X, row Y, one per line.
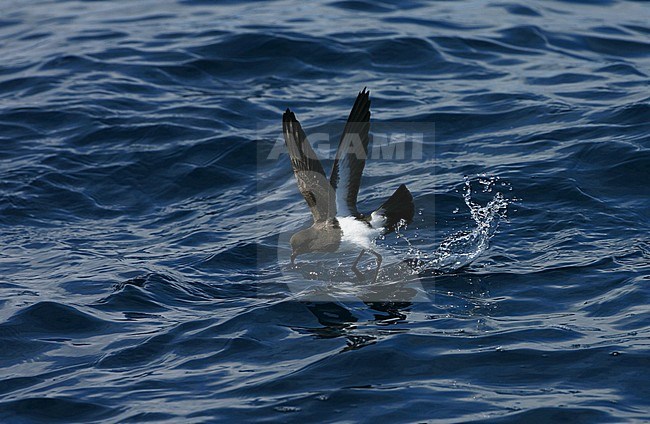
column 379, row 258
column 354, row 266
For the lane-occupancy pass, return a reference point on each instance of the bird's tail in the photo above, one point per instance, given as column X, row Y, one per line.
column 397, row 210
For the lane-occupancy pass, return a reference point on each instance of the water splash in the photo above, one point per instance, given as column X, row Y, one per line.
column 464, row 247
column 403, row 265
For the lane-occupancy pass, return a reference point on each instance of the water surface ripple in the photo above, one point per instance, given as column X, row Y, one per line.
column 139, row 231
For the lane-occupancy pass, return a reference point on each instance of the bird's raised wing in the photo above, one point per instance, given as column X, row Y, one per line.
column 309, row 172
column 351, row 156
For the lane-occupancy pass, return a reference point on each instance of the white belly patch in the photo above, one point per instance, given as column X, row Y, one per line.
column 356, row 234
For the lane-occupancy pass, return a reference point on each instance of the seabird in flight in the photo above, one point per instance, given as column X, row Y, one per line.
column 338, row 226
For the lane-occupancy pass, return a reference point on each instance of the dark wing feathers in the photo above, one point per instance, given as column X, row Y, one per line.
column 398, row 209
column 351, row 156
column 312, row 182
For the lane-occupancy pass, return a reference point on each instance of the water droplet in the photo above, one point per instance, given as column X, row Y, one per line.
column 287, row 409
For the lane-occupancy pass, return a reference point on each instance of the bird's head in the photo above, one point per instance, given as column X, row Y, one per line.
column 301, row 242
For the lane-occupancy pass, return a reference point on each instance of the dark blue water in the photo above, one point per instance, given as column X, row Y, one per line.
column 140, row 231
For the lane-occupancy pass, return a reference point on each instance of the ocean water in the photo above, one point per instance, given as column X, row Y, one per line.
column 143, row 221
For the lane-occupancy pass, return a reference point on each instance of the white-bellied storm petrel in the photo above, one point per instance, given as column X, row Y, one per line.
column 338, row 226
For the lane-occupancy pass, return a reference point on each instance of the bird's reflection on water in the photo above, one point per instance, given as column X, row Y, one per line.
column 373, row 311
column 338, row 320
column 359, row 311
